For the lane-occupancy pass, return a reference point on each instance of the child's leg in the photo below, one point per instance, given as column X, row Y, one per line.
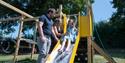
column 68, row 45
column 63, row 44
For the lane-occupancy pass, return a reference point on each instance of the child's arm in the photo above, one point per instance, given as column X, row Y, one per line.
column 56, row 31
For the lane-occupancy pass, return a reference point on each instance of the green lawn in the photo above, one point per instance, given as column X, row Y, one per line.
column 20, row 58
column 117, row 54
column 100, row 59
column 119, row 57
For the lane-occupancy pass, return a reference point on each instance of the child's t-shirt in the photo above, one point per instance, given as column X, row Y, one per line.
column 72, row 32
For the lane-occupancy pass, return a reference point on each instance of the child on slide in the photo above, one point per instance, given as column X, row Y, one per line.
column 69, row 37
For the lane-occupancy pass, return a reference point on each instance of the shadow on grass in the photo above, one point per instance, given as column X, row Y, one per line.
column 118, row 53
column 21, row 61
column 27, row 61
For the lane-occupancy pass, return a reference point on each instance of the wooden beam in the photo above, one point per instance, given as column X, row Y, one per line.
column 33, row 49
column 33, row 46
column 73, row 15
column 20, row 30
column 18, row 18
column 93, row 52
column 28, row 41
column 10, row 19
column 31, row 19
column 60, row 13
column 89, row 43
column 15, row 9
column 18, row 41
column 100, row 51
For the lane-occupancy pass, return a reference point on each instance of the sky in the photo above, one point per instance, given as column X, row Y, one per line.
column 102, row 10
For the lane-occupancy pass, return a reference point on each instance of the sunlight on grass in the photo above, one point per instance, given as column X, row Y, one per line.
column 101, row 59
column 9, row 58
column 26, row 59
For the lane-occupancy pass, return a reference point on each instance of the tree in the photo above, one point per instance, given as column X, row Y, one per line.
column 118, row 21
column 118, row 18
column 112, row 33
column 103, row 33
column 35, row 8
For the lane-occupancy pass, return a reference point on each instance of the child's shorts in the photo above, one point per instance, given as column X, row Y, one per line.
column 65, row 37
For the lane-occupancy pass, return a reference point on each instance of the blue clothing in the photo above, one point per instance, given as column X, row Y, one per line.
column 44, row 46
column 47, row 26
column 73, row 35
column 70, row 34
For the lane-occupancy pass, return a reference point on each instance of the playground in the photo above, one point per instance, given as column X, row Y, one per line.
column 83, row 45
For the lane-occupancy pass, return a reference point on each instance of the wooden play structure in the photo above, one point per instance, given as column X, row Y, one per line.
column 20, row 28
column 85, row 27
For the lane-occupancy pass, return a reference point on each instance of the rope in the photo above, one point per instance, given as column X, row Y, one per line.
column 98, row 36
column 94, row 28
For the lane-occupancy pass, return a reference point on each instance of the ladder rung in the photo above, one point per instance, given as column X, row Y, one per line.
column 28, row 41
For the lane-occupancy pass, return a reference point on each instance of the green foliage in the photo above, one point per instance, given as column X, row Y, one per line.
column 103, row 33
column 112, row 33
column 27, row 61
column 119, row 16
column 118, row 21
column 111, row 36
column 7, row 27
column 37, row 8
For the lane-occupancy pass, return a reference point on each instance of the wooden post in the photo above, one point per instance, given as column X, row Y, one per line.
column 33, row 49
column 93, row 52
column 60, row 13
column 89, row 46
column 33, row 45
column 21, row 24
column 60, row 10
column 18, row 41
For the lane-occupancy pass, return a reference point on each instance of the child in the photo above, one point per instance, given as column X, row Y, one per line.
column 57, row 27
column 70, row 35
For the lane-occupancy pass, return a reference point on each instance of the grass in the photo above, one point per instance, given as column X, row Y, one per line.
column 27, row 61
column 117, row 54
column 20, row 58
column 100, row 59
column 119, row 57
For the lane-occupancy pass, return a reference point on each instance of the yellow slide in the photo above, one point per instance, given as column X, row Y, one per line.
column 57, row 57
column 64, row 57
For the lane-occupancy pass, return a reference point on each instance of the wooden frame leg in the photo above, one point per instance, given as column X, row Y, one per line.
column 33, row 45
column 33, row 49
column 18, row 42
column 89, row 46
